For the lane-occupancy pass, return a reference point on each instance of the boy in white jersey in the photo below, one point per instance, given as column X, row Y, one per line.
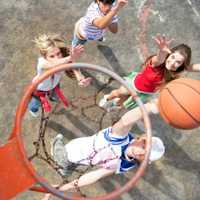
column 100, row 16
column 113, row 150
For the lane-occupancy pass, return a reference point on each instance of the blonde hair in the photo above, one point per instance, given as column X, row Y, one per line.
column 46, row 41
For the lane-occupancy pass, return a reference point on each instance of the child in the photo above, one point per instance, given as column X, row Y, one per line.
column 159, row 69
column 53, row 52
column 113, row 150
column 100, row 16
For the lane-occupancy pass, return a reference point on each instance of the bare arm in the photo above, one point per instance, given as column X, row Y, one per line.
column 194, row 68
column 82, row 80
column 104, row 21
column 48, row 65
column 163, row 50
column 74, row 54
column 123, row 126
column 86, row 179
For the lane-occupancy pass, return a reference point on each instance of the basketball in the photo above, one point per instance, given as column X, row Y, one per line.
column 179, row 103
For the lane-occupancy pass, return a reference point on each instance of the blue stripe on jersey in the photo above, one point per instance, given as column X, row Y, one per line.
column 125, row 165
column 115, row 140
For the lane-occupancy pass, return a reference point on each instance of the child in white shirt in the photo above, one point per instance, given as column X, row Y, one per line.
column 100, row 16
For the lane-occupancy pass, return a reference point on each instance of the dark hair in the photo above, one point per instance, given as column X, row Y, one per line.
column 184, row 50
column 110, row 2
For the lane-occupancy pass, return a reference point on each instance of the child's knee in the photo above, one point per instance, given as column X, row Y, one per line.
column 152, row 106
column 122, row 91
column 115, row 93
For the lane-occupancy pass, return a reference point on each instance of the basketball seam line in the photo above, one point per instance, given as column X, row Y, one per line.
column 188, row 86
column 182, row 106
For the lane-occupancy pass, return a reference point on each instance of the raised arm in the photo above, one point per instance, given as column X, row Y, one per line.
column 74, row 54
column 82, row 80
column 85, row 179
column 163, row 50
column 48, row 65
column 104, row 21
column 124, row 125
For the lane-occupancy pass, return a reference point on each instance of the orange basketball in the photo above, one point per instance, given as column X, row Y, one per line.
column 179, row 103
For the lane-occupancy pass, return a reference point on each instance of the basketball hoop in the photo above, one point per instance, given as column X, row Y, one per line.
column 25, row 167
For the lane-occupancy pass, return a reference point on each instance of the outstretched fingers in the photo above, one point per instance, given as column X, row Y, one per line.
column 163, row 42
column 77, row 51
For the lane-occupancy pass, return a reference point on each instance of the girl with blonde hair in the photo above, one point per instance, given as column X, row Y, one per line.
column 53, row 51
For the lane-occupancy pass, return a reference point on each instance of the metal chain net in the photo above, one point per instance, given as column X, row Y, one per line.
column 41, row 151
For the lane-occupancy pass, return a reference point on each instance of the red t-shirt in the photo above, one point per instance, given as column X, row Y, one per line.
column 149, row 79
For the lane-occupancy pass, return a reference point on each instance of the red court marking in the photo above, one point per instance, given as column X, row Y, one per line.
column 143, row 19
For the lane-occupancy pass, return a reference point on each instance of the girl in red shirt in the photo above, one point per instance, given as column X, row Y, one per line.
column 159, row 69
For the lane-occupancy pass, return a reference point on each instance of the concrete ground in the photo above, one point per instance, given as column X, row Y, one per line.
column 177, row 175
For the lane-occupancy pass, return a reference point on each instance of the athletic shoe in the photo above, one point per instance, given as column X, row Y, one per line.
column 34, row 114
column 108, row 105
column 53, row 98
column 59, row 154
column 103, row 39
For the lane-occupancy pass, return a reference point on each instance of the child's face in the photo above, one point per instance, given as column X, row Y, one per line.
column 174, row 61
column 137, row 149
column 105, row 8
column 53, row 53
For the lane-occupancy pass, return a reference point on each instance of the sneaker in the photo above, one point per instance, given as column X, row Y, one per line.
column 34, row 114
column 53, row 98
column 59, row 154
column 108, row 105
column 103, row 39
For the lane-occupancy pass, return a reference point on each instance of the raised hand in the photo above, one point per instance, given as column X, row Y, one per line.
column 76, row 52
column 85, row 82
column 163, row 43
column 120, row 3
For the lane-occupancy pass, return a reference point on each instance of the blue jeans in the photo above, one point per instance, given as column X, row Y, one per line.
column 76, row 41
column 34, row 104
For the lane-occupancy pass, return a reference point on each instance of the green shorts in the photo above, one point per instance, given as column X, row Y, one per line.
column 130, row 103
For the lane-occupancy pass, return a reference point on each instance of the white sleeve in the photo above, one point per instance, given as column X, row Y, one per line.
column 40, row 64
column 92, row 16
column 93, row 12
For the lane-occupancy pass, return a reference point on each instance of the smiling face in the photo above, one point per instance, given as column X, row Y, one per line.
column 174, row 61
column 53, row 53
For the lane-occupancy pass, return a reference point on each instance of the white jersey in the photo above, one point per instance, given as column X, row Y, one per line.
column 102, row 149
column 86, row 27
column 49, row 83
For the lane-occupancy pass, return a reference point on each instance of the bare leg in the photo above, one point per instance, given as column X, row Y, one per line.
column 121, row 93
